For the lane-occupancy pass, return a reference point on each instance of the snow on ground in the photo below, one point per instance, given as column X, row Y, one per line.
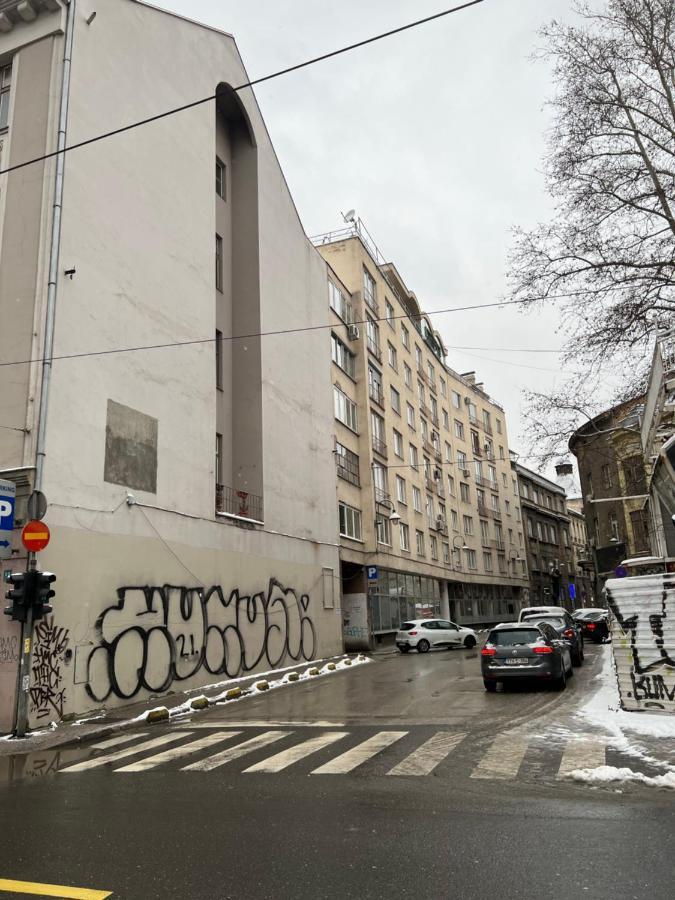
column 611, row 774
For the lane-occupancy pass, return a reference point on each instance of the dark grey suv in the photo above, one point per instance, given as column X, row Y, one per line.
column 519, row 650
column 567, row 629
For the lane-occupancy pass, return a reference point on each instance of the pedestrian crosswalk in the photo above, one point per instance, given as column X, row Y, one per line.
column 337, row 751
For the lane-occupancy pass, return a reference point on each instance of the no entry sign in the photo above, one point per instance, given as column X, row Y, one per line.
column 35, row 536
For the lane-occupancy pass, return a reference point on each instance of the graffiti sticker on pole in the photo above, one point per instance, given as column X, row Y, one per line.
column 7, row 503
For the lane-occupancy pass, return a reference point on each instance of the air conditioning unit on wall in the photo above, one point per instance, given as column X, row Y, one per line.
column 353, row 332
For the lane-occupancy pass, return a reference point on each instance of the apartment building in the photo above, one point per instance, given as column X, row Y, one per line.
column 547, row 537
column 429, row 512
column 190, row 478
column 582, row 574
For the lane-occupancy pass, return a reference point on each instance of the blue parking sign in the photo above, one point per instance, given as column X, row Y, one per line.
column 371, row 573
column 7, row 502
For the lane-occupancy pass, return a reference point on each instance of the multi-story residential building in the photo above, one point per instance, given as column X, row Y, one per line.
column 429, row 510
column 582, row 575
column 614, row 486
column 658, row 429
column 547, row 537
column 186, row 459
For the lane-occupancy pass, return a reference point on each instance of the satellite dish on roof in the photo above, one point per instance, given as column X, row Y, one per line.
column 349, row 216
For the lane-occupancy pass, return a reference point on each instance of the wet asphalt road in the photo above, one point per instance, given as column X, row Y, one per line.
column 226, row 833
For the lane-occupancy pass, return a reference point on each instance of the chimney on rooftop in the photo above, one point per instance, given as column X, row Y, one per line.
column 469, row 376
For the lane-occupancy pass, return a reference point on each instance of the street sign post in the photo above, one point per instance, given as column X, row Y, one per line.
column 37, row 505
column 35, row 536
column 7, row 503
column 372, row 573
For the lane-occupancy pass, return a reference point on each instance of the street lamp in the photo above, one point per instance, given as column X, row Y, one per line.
column 459, row 549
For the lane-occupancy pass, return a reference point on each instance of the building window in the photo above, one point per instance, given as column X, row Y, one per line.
column 414, row 459
column 389, row 313
column 499, row 426
column 338, row 303
column 454, row 520
column 461, row 460
column 431, row 373
column 398, row 444
column 540, row 531
column 418, row 357
column 487, row 425
column 421, row 396
column 378, row 432
column 219, row 360
column 373, row 337
column 405, row 537
column 638, row 521
column 606, row 476
column 475, row 443
column 471, row 559
column 451, row 485
column 614, row 526
column 369, row 289
column 459, row 429
column 530, row 529
column 417, row 499
column 383, row 529
column 444, row 390
column 448, row 452
column 419, row 542
column 433, row 544
column 467, row 524
column 430, row 510
column 221, row 186
column 219, row 263
column 375, row 391
column 487, row 561
column 410, row 413
column 405, row 337
column 446, row 420
column 391, row 356
column 350, row 522
column 400, row 489
column 342, row 356
column 464, row 492
column 219, row 458
column 345, row 409
column 634, row 473
column 396, row 401
column 407, row 375
column 456, row 400
column 5, row 84
column 347, row 464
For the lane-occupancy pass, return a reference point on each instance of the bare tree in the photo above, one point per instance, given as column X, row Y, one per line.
column 607, row 258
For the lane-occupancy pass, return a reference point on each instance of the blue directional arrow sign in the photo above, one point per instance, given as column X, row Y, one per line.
column 7, row 503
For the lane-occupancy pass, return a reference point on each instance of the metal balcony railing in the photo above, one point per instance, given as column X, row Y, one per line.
column 374, row 348
column 371, row 302
column 382, row 496
column 499, row 545
column 242, row 504
column 376, row 393
column 379, row 446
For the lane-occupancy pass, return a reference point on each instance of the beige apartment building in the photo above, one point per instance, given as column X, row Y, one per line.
column 430, row 520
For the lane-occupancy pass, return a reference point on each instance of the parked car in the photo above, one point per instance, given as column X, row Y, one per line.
column 517, row 650
column 594, row 623
column 540, row 611
column 567, row 630
column 423, row 634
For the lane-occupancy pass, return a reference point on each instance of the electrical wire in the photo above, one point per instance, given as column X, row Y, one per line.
column 241, row 87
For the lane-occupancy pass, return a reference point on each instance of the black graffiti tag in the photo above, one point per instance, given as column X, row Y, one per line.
column 46, row 691
column 156, row 635
column 644, row 613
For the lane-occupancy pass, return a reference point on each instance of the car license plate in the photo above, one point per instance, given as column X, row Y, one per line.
column 517, row 661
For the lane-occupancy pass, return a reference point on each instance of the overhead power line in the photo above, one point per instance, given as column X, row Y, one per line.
column 243, row 337
column 241, row 87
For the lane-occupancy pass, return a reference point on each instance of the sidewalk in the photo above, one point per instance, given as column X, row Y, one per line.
column 108, row 722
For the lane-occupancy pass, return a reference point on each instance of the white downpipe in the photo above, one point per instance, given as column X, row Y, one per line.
column 54, row 249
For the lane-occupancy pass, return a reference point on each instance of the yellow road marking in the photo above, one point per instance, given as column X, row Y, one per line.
column 51, row 890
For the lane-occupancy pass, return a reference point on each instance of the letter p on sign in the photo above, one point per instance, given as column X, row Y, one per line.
column 6, row 507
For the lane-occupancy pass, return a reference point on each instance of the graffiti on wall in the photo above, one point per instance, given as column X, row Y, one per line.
column 47, row 693
column 9, row 648
column 157, row 635
column 646, row 616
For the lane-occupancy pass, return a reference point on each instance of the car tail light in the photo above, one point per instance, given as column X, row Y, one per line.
column 543, row 649
column 568, row 633
column 591, row 626
column 412, row 633
column 488, row 651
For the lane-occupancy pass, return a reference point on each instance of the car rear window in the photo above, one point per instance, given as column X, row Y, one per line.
column 514, row 636
column 407, row 626
column 553, row 621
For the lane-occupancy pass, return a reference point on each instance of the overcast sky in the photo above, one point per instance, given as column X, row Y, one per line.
column 434, row 136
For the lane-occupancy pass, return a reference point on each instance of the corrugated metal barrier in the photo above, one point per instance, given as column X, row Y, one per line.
column 642, row 625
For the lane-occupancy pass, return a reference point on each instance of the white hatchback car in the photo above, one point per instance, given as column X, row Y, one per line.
column 423, row 634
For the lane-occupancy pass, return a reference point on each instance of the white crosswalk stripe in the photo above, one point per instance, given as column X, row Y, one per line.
column 294, row 754
column 582, row 753
column 129, row 751
column 503, row 759
column 358, row 755
column 205, row 743
column 425, row 758
column 226, row 756
column 120, row 739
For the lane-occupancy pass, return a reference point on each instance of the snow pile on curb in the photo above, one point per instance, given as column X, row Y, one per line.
column 606, row 774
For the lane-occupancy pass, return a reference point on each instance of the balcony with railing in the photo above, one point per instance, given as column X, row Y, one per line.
column 379, row 446
column 374, row 348
column 499, row 545
column 487, row 428
column 440, row 490
column 494, row 486
column 425, row 410
column 376, row 393
column 371, row 302
column 482, row 508
column 382, row 496
column 473, row 419
column 240, row 504
column 496, row 513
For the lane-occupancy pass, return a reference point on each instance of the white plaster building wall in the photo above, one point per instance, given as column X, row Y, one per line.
column 138, row 226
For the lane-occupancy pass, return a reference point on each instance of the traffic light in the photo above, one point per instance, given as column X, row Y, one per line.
column 20, row 595
column 42, row 594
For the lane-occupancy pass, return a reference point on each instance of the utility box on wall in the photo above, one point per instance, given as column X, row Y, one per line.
column 642, row 625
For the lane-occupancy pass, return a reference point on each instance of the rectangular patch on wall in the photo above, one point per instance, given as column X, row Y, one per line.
column 328, row 588
column 130, row 448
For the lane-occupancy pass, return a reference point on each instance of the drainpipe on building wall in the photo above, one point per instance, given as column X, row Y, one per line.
column 27, row 633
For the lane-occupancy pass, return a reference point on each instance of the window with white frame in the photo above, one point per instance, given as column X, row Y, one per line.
column 410, row 415
column 407, row 375
column 446, row 553
column 417, row 499
column 413, row 457
column 446, row 420
column 347, row 464
column 398, row 444
column 433, row 547
column 454, row 520
column 430, row 510
column 418, row 356
column 219, row 263
column 5, row 85
column 499, row 426
column 221, row 183
column 467, row 524
column 540, row 531
column 420, row 392
column 461, row 460
column 378, row 431
column 369, row 289
column 342, row 356
column 444, row 390
column 431, row 374
column 345, row 409
column 373, row 336
column 459, row 429
column 383, row 530
column 464, row 492
column 400, row 489
column 339, row 304
column 487, row 560
column 405, row 537
column 471, row 559
column 405, row 337
column 380, row 482
column 456, row 400
column 448, row 452
column 389, row 314
column 350, row 522
column 396, row 401
column 419, row 542
column 451, row 485
column 392, row 356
